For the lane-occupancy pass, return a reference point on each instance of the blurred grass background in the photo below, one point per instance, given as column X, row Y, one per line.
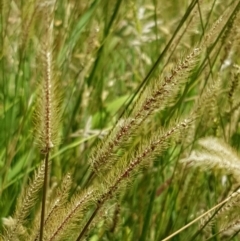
column 105, row 52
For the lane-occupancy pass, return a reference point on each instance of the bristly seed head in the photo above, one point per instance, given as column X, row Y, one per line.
column 47, row 114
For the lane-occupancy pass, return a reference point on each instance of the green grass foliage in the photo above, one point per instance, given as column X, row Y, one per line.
column 119, row 120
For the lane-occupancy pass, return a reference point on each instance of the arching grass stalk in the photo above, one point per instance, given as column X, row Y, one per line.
column 120, row 176
column 203, row 215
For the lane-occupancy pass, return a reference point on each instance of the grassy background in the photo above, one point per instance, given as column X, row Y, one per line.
column 105, row 53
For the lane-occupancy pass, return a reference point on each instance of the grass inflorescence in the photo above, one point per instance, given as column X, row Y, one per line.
column 120, row 120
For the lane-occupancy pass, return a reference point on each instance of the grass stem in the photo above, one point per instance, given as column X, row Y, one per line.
column 88, row 223
column 195, row 220
column 45, row 185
